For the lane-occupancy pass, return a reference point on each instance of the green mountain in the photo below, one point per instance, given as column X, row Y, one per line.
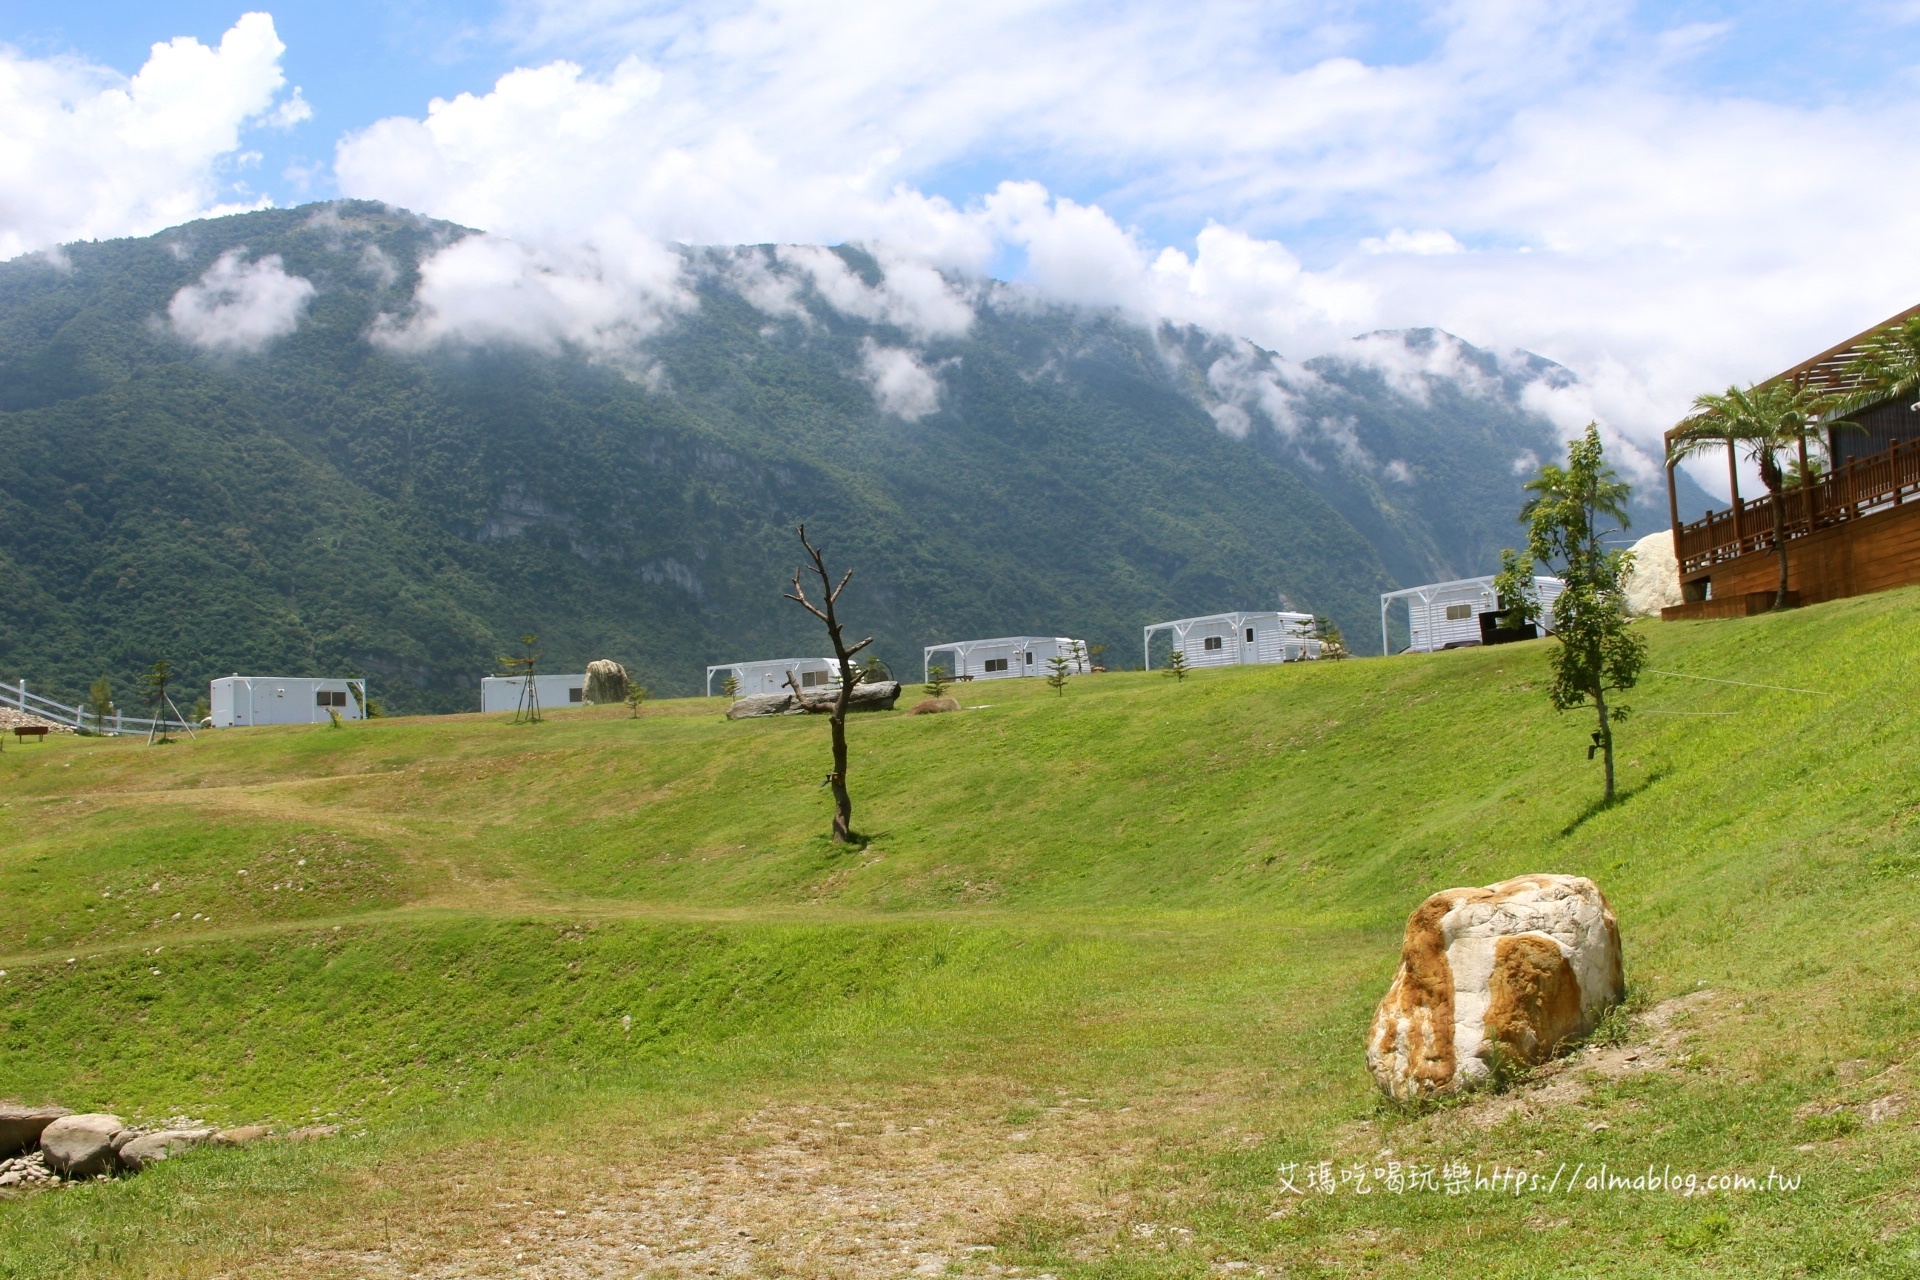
column 270, row 443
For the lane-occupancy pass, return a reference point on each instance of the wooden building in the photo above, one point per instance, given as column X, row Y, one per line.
column 1853, row 530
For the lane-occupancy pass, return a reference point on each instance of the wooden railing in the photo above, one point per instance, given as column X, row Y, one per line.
column 1860, row 488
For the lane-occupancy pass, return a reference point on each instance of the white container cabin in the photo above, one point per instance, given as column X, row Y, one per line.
column 770, row 676
column 235, row 701
column 1446, row 615
column 1006, row 656
column 1234, row 639
column 503, row 693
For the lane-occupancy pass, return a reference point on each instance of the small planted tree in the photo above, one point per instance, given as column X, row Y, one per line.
column 1059, row 671
column 637, row 694
column 1332, row 643
column 1176, row 665
column 1097, row 657
column 1598, row 654
column 843, row 653
column 154, row 686
column 100, row 703
column 936, row 685
column 521, row 667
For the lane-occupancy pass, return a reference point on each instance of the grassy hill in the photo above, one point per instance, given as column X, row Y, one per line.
column 597, row 993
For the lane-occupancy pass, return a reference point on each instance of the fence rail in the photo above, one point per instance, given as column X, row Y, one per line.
column 77, row 718
column 1861, row 488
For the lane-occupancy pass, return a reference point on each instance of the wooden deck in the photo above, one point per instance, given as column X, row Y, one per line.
column 1851, row 532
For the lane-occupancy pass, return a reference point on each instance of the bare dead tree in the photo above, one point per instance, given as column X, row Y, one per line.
column 849, row 677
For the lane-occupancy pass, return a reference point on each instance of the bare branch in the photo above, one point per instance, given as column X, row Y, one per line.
column 844, row 579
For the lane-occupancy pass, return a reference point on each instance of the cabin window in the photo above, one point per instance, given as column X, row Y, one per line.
column 996, row 664
column 575, row 694
column 809, row 679
column 330, row 698
column 1459, row 612
column 1029, row 659
column 1249, row 635
column 1212, row 642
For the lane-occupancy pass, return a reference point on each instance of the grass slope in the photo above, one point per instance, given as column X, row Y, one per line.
column 1101, row 974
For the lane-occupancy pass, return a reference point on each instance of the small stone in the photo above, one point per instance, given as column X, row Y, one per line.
column 312, row 1131
column 241, row 1136
column 81, row 1146
column 151, row 1147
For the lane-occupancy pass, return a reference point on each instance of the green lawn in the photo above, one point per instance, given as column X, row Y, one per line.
column 1092, row 996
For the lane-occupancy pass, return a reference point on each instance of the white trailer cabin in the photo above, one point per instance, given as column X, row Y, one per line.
column 502, row 693
column 236, row 700
column 770, row 676
column 1446, row 615
column 1233, row 639
column 1006, row 656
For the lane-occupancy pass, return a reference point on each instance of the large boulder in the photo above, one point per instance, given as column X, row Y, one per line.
column 81, row 1146
column 21, row 1127
column 151, row 1147
column 1654, row 581
column 606, row 682
column 877, row 696
column 1504, row 974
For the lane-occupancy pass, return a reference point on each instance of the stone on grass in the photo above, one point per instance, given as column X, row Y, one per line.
column 20, row 1127
column 1500, row 976
column 240, row 1137
column 933, row 706
column 1654, row 582
column 606, row 682
column 81, row 1146
column 150, row 1147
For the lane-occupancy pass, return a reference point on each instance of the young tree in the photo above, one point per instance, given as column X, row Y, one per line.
column 1060, row 670
column 1598, row 652
column 637, row 694
column 1176, row 665
column 100, row 702
column 849, row 676
column 1763, row 422
column 1332, row 643
column 936, row 685
column 730, row 687
column 154, row 686
column 521, row 667
column 1097, row 657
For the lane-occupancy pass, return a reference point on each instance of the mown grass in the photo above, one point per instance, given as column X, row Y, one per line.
column 1136, row 892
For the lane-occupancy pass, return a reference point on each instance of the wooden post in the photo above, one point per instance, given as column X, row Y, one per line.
column 1733, row 483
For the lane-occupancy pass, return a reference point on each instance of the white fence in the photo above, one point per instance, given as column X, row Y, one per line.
column 17, row 697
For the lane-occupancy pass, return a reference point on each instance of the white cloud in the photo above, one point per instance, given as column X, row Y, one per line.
column 240, row 307
column 910, row 295
column 1259, row 170
column 902, row 384
column 484, row 289
column 87, row 153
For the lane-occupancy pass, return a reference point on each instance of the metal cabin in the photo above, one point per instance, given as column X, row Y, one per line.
column 1446, row 615
column 770, row 676
column 235, row 701
column 1234, row 639
column 1007, row 656
column 502, row 693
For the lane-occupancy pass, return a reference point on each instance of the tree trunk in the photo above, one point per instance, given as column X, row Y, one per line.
column 1780, row 545
column 1606, row 741
column 842, row 800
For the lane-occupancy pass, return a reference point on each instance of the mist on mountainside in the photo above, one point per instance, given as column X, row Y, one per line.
column 346, row 439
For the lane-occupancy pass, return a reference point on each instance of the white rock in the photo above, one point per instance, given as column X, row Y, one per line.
column 1654, row 582
column 1508, row 972
column 148, row 1148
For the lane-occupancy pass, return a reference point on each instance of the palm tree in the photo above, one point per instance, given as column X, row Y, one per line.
column 1887, row 367
column 1763, row 422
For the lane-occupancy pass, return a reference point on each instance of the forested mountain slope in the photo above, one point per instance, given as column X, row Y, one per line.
column 273, row 442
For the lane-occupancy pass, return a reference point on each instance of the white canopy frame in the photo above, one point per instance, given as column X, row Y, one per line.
column 1467, row 591
column 773, row 673
column 1295, row 629
column 1075, row 651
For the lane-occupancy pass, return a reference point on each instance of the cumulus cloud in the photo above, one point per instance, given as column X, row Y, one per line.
column 238, row 307
column 1552, row 177
column 901, row 382
column 90, row 153
column 1412, row 362
column 485, row 289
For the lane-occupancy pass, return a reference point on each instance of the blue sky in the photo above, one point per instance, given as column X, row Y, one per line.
column 1664, row 197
